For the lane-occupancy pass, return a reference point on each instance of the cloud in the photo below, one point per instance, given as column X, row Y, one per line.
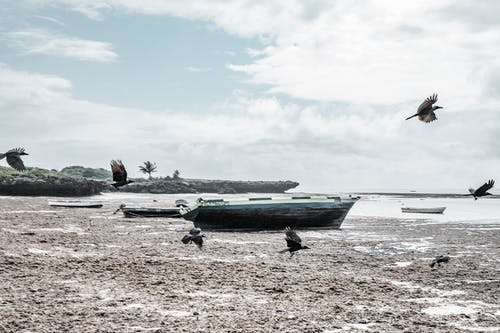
column 327, row 147
column 48, row 43
column 198, row 69
column 49, row 19
column 93, row 10
column 370, row 52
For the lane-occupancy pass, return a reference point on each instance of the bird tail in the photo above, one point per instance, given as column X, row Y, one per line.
column 416, row 114
column 186, row 239
column 284, row 250
column 2, row 156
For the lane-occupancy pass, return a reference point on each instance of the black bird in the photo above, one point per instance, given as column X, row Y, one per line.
column 483, row 190
column 194, row 236
column 293, row 242
column 425, row 111
column 439, row 259
column 14, row 158
column 119, row 174
column 120, row 208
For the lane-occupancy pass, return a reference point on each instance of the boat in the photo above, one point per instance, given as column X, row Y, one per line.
column 150, row 212
column 270, row 214
column 75, row 204
column 433, row 210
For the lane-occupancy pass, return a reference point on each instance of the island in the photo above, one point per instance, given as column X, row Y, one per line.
column 77, row 181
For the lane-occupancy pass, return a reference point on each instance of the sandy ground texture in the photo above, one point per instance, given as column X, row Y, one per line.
column 87, row 270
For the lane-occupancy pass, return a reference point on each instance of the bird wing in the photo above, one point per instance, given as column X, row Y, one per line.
column 18, row 150
column 198, row 240
column 16, row 162
column 485, row 187
column 471, row 190
column 118, row 170
column 186, row 239
column 291, row 237
column 427, row 103
column 428, row 117
column 195, row 231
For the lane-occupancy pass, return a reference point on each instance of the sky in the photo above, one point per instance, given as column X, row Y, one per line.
column 311, row 91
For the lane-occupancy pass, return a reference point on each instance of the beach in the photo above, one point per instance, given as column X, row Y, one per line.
column 88, row 270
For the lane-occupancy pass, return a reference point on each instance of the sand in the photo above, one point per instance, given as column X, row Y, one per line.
column 87, row 270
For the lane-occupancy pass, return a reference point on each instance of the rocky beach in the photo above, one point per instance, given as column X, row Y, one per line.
column 87, row 270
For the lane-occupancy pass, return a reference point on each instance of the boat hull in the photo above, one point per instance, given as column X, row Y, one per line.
column 151, row 212
column 271, row 215
column 75, row 204
column 434, row 210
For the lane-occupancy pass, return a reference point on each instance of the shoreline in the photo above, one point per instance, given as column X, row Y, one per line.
column 87, row 269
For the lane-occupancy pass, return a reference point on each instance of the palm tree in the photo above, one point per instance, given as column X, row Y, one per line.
column 148, row 167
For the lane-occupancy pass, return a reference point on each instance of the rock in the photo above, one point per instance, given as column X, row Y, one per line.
column 40, row 185
column 172, row 186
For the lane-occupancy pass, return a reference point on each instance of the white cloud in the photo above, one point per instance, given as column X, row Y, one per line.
column 358, row 68
column 48, row 43
column 49, row 19
column 383, row 51
column 325, row 147
column 198, row 69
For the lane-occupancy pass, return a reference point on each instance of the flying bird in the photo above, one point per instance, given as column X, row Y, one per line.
column 425, row 111
column 194, row 236
column 119, row 174
column 14, row 158
column 293, row 242
column 438, row 260
column 483, row 190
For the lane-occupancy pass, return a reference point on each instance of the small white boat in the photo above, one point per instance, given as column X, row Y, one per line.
column 75, row 204
column 432, row 210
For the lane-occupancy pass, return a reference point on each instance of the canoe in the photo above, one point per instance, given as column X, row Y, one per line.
column 75, row 204
column 150, row 212
column 270, row 214
column 432, row 210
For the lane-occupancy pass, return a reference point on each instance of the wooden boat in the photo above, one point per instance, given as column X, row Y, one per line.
column 433, row 210
column 150, row 212
column 75, row 204
column 268, row 214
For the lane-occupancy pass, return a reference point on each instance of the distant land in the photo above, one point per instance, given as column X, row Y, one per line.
column 84, row 181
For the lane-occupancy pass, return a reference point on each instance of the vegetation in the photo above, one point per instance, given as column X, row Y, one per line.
column 7, row 171
column 148, row 167
column 80, row 171
column 176, row 174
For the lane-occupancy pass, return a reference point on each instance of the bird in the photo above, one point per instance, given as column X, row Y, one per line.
column 120, row 208
column 483, row 190
column 194, row 236
column 438, row 260
column 425, row 111
column 14, row 158
column 293, row 242
column 119, row 174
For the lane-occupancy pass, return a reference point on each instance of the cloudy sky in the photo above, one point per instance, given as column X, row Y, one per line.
column 313, row 91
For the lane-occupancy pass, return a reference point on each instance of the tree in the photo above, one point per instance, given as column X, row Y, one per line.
column 148, row 167
column 176, row 174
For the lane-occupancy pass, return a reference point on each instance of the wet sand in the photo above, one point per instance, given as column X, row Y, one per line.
column 87, row 270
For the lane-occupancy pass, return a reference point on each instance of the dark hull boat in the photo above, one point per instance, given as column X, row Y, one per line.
column 75, row 204
column 151, row 212
column 270, row 214
column 433, row 210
